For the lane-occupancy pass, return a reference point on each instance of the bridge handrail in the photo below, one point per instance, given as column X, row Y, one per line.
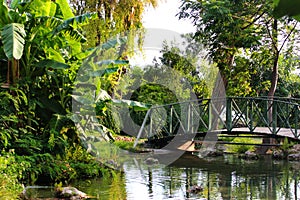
column 277, row 99
column 234, row 110
column 265, row 98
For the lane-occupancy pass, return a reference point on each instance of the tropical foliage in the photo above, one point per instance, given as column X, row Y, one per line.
column 246, row 41
column 41, row 52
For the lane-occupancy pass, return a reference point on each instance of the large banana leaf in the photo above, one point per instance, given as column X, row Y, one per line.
column 13, row 40
column 65, row 8
column 70, row 24
column 14, row 4
column 80, row 19
column 4, row 19
column 52, row 64
column 112, row 62
column 103, row 72
column 52, row 54
column 287, row 7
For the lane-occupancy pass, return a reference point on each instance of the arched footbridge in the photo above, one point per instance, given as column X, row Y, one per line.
column 259, row 116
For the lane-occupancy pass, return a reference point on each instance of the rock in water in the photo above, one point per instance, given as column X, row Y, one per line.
column 249, row 155
column 70, row 193
column 294, row 157
column 151, row 161
column 195, row 189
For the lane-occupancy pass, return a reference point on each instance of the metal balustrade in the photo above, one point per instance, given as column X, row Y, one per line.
column 262, row 115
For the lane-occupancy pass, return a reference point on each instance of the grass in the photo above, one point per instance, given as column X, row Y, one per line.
column 126, row 143
column 240, row 148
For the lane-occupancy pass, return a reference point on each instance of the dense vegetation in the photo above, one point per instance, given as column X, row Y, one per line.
column 43, row 45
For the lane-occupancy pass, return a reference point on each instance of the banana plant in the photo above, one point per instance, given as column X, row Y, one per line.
column 13, row 39
column 31, row 30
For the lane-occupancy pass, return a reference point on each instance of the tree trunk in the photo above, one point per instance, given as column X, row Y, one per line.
column 274, row 78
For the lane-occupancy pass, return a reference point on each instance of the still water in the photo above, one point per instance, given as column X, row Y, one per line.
column 222, row 178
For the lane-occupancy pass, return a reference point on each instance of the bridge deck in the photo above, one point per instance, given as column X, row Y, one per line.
column 284, row 132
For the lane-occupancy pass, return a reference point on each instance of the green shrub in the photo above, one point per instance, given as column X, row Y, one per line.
column 10, row 171
column 128, row 145
column 240, row 148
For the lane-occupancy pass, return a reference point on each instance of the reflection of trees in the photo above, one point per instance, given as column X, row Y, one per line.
column 117, row 189
column 173, row 183
column 223, row 179
column 110, row 187
column 150, row 185
column 242, row 180
column 289, row 180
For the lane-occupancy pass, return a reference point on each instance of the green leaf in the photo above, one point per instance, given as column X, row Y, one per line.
column 14, row 4
column 113, row 62
column 52, row 64
column 40, row 7
column 82, row 100
column 65, row 8
column 58, row 121
column 102, row 96
column 138, row 106
column 13, row 40
column 53, row 54
column 69, row 26
column 4, row 19
column 80, row 19
column 103, row 72
column 287, row 7
column 51, row 104
column 75, row 47
column 85, row 53
column 112, row 43
column 52, row 9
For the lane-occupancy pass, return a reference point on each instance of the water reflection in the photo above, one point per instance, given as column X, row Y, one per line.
column 218, row 178
column 190, row 177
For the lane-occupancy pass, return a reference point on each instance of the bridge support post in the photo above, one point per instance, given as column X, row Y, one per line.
column 150, row 125
column 229, row 114
column 265, row 111
column 142, row 128
column 190, row 128
column 274, row 117
column 171, row 121
column 251, row 115
column 209, row 114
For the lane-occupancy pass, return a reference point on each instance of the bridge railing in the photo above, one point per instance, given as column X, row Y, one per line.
column 252, row 113
column 204, row 115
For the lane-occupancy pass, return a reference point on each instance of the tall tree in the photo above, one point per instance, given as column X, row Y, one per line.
column 115, row 17
column 241, row 28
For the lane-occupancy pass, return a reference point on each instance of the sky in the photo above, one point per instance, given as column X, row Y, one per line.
column 161, row 25
column 164, row 16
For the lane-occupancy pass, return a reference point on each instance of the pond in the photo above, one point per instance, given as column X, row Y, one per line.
column 191, row 177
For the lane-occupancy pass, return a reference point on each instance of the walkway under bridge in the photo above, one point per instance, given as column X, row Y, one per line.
column 261, row 116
